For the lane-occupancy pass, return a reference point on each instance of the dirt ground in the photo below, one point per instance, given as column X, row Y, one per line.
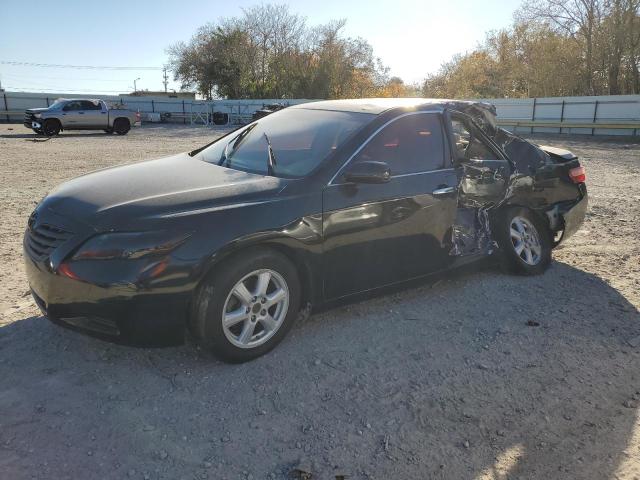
column 477, row 375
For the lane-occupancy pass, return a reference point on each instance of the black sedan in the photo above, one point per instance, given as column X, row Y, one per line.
column 306, row 206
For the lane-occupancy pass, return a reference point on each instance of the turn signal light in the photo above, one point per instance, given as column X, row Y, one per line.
column 578, row 175
column 65, row 269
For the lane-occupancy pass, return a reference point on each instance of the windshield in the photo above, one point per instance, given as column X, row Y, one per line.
column 57, row 103
column 294, row 141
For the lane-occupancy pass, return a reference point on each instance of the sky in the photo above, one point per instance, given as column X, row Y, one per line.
column 412, row 37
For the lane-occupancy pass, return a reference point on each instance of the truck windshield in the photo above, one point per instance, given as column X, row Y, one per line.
column 57, row 104
column 300, row 139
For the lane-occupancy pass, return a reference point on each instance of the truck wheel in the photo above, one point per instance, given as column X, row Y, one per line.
column 247, row 306
column 51, row 127
column 524, row 240
column 121, row 126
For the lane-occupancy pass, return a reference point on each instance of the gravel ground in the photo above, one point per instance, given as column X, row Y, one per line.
column 476, row 375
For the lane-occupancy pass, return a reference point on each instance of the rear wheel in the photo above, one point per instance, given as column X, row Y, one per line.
column 247, row 306
column 121, row 126
column 525, row 242
column 51, row 127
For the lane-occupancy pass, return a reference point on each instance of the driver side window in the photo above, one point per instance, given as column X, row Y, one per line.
column 410, row 144
column 72, row 106
column 468, row 145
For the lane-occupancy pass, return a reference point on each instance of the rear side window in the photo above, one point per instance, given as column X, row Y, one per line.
column 90, row 105
column 468, row 145
column 411, row 144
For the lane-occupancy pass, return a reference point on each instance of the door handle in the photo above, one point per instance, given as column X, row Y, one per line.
column 443, row 191
column 80, row 113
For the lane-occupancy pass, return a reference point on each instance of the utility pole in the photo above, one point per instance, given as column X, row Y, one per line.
column 165, row 78
column 135, row 88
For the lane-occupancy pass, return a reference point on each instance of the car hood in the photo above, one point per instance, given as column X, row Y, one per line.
column 37, row 110
column 124, row 196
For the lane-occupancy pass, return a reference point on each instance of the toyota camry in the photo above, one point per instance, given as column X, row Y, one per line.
column 311, row 204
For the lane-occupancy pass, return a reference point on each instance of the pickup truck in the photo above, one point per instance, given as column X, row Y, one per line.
column 80, row 114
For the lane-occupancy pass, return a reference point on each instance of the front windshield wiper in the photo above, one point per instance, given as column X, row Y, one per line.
column 271, row 157
column 224, row 158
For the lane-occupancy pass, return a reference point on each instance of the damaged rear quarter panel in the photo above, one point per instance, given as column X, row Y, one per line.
column 527, row 176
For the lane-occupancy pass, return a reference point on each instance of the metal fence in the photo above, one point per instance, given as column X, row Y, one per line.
column 186, row 111
column 598, row 115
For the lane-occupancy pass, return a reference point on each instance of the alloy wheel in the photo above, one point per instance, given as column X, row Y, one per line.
column 255, row 308
column 525, row 241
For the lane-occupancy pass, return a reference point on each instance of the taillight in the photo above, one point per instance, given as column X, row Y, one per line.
column 578, row 175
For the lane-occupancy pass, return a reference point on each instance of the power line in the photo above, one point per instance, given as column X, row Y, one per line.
column 79, row 67
column 60, row 90
column 43, row 77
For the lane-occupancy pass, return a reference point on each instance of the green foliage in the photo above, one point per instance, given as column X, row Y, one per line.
column 269, row 52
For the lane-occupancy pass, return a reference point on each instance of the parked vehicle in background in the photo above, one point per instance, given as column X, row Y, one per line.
column 267, row 110
column 80, row 114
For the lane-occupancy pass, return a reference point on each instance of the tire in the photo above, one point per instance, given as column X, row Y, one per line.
column 51, row 127
column 524, row 240
column 258, row 316
column 121, row 126
column 38, row 131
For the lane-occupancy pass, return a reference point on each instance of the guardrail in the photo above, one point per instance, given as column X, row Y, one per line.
column 633, row 125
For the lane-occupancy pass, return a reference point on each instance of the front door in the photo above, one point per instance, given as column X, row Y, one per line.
column 378, row 234
column 72, row 114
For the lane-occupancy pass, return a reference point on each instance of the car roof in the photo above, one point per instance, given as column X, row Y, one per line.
column 85, row 99
column 379, row 105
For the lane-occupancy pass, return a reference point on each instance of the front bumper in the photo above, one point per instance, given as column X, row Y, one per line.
column 116, row 311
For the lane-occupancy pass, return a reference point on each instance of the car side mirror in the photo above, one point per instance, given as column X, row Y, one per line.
column 368, row 172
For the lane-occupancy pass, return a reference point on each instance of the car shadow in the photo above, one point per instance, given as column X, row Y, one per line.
column 476, row 375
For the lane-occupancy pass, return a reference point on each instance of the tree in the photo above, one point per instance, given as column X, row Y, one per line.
column 555, row 47
column 269, row 52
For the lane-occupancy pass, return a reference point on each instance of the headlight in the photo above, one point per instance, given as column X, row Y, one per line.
column 37, row 115
column 109, row 246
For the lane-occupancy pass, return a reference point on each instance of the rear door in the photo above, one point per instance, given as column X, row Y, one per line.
column 378, row 234
column 483, row 169
column 94, row 115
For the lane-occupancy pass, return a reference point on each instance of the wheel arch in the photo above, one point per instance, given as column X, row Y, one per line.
column 121, row 118
column 290, row 248
column 53, row 119
column 538, row 212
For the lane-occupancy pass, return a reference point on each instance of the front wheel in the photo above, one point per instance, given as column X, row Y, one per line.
column 51, row 127
column 247, row 306
column 524, row 240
